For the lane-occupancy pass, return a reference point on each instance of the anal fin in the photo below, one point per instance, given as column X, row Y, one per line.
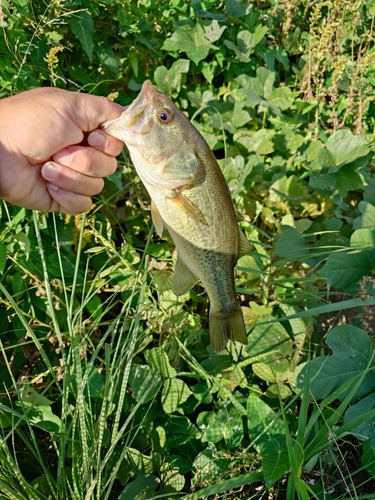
column 156, row 219
column 183, row 279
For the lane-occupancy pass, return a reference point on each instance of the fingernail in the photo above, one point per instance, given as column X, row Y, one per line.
column 97, row 140
column 52, row 187
column 50, row 171
column 63, row 156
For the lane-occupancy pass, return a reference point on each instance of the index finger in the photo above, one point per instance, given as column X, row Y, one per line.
column 102, row 141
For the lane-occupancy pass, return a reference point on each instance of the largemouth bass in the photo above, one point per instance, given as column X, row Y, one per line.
column 191, row 199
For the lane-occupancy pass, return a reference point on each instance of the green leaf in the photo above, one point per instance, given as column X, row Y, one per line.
column 263, row 423
column 22, row 6
column 367, row 429
column 351, row 353
column 179, row 430
column 143, row 487
column 208, row 466
column 95, row 307
column 282, row 97
column 171, row 80
column 344, row 269
column 237, row 8
column 209, row 70
column 202, row 393
column 30, row 395
column 196, row 40
column 363, row 238
column 94, row 387
column 368, row 458
column 108, row 58
column 288, row 188
column 260, row 142
column 272, row 372
column 346, row 147
column 267, row 342
column 348, row 179
column 82, row 25
column 3, row 257
column 43, row 418
column 367, row 219
column 291, row 245
column 158, row 360
column 144, row 382
column 222, row 424
column 158, row 440
column 19, row 285
column 183, row 464
column 275, row 461
column 246, row 42
column 172, row 480
column 134, row 62
column 174, row 393
column 278, row 390
column 143, row 464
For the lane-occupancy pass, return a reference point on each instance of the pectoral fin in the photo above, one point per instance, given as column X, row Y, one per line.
column 244, row 246
column 156, row 219
column 188, row 207
column 183, row 279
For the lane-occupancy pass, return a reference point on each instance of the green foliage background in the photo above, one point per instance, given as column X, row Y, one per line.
column 109, row 388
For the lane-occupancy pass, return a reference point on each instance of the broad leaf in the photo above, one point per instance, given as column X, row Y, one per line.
column 144, row 382
column 141, row 488
column 263, row 423
column 367, row 219
column 3, row 257
column 158, row 360
column 82, row 25
column 208, row 466
column 196, row 40
column 366, row 430
column 174, row 393
column 346, row 147
column 352, row 352
column 344, row 269
column 108, row 58
column 269, row 341
column 275, row 461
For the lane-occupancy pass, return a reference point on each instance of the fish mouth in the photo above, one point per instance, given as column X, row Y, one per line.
column 132, row 114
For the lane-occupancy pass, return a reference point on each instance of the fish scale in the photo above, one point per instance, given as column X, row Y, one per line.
column 190, row 198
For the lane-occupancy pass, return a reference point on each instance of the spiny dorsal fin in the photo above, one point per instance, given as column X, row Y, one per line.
column 188, row 207
column 156, row 219
column 183, row 279
column 244, row 246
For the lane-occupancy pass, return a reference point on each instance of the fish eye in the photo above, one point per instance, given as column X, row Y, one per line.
column 165, row 116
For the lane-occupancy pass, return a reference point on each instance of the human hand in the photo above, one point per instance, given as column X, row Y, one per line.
column 43, row 164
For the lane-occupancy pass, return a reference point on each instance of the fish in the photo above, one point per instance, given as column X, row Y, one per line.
column 191, row 199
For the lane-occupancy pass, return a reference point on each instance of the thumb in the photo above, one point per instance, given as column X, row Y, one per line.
column 89, row 111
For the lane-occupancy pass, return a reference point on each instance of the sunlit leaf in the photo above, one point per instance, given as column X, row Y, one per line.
column 82, row 26
column 352, row 351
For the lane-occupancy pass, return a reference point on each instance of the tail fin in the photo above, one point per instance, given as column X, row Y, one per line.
column 223, row 328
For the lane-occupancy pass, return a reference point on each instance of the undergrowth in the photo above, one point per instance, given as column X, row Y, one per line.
column 109, row 387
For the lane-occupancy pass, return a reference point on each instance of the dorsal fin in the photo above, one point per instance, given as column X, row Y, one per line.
column 244, row 246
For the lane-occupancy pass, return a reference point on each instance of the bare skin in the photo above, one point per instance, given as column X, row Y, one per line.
column 53, row 156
